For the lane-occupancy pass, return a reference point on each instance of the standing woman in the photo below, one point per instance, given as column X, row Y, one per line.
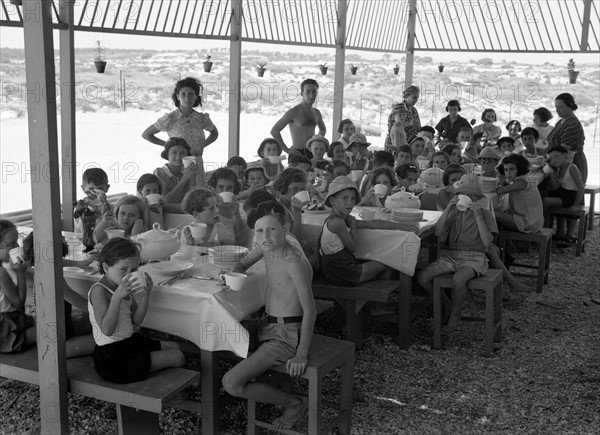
column 404, row 122
column 449, row 126
column 186, row 123
column 568, row 133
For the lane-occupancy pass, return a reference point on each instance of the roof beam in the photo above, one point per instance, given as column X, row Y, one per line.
column 410, row 42
column 235, row 77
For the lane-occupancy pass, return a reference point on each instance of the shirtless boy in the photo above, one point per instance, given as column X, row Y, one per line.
column 302, row 120
column 287, row 327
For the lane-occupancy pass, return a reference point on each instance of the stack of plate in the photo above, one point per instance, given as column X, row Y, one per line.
column 226, row 255
column 407, row 215
column 488, row 184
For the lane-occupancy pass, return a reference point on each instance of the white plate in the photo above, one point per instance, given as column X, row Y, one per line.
column 316, row 211
column 72, row 269
column 172, row 267
column 228, row 250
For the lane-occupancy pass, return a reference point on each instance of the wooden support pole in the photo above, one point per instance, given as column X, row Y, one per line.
column 45, row 185
column 235, row 78
column 410, row 42
column 340, row 64
column 585, row 26
column 67, row 114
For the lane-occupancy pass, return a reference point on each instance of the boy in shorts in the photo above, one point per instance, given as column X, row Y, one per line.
column 469, row 234
column 287, row 327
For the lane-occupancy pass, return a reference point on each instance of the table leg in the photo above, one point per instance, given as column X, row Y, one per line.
column 592, row 203
column 209, row 364
column 404, row 306
column 132, row 421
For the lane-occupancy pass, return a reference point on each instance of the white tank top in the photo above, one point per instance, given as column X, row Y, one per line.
column 331, row 242
column 124, row 328
column 567, row 182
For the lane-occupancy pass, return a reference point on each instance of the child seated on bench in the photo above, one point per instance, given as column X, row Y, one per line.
column 290, row 310
column 469, row 233
column 122, row 355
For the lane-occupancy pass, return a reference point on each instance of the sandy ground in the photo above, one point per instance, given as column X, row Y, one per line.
column 112, row 140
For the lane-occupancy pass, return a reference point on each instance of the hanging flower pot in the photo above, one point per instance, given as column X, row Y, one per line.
column 353, row 69
column 207, row 63
column 99, row 61
column 572, row 73
column 323, row 69
column 441, row 67
column 396, row 69
column 260, row 69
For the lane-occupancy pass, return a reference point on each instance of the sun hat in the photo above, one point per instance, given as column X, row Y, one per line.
column 317, row 138
column 340, row 183
column 468, row 185
column 489, row 153
column 174, row 141
column 358, row 138
column 253, row 166
column 263, row 144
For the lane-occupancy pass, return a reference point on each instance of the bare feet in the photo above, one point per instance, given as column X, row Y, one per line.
column 292, row 414
column 520, row 287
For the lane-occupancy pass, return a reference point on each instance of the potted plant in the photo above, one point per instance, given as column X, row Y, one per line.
column 441, row 67
column 323, row 68
column 353, row 69
column 572, row 73
column 260, row 68
column 207, row 63
column 99, row 61
column 396, row 69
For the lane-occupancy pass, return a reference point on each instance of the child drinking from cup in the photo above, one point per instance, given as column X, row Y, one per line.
column 358, row 146
column 452, row 174
column 89, row 211
column 269, row 151
column 255, row 178
column 149, row 189
column 130, row 215
column 177, row 176
column 469, row 234
column 382, row 182
column 122, row 355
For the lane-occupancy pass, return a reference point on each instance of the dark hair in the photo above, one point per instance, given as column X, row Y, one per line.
column 411, row 90
column 504, row 139
column 263, row 144
column 5, row 227
column 307, row 82
column 237, row 160
column 544, row 114
column 403, row 170
column 175, row 141
column 343, row 122
column 256, row 198
column 405, row 149
column 28, row 251
column 188, row 82
column 436, row 154
column 518, row 160
column 453, row 103
column 384, row 170
column 559, row 149
column 530, row 131
column 517, row 123
column 148, row 179
column 383, row 158
column 226, row 174
column 268, row 208
column 568, row 100
column 475, row 139
column 334, row 144
column 298, row 159
column 95, row 175
column 428, row 128
column 449, row 148
column 287, row 177
column 486, row 111
column 341, row 163
column 196, row 200
column 451, row 170
column 117, row 249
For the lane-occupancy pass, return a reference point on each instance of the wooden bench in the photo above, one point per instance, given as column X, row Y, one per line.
column 581, row 215
column 353, row 299
column 325, row 355
column 138, row 404
column 592, row 190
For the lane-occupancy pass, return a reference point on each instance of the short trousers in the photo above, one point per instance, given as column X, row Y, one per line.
column 278, row 341
column 13, row 325
column 126, row 360
column 567, row 196
column 341, row 268
column 476, row 260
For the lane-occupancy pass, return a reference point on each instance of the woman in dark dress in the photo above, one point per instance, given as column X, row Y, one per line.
column 449, row 126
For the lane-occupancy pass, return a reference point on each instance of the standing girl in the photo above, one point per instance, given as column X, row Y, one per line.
column 17, row 329
column 122, row 355
column 185, row 122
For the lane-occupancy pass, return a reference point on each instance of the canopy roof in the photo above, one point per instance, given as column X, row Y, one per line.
column 553, row 26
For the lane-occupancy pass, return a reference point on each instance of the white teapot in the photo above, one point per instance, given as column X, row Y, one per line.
column 157, row 244
column 402, row 199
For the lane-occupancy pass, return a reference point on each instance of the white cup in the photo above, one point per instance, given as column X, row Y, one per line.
column 227, row 196
column 302, row 196
column 274, row 159
column 16, row 255
column 355, row 175
column 464, row 144
column 139, row 281
column 463, row 202
column 367, row 215
column 188, row 160
column 380, row 190
column 235, row 281
column 115, row 232
column 548, row 169
column 198, row 230
column 153, row 198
